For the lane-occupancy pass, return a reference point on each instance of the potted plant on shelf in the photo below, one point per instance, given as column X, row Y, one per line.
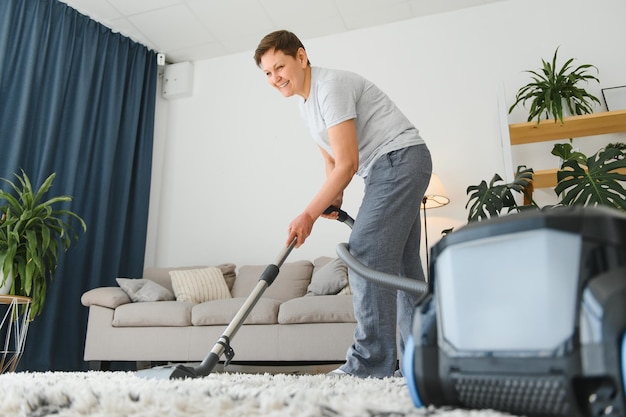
column 552, row 88
column 32, row 232
column 582, row 180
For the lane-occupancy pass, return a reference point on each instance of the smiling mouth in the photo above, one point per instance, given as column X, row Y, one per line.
column 283, row 85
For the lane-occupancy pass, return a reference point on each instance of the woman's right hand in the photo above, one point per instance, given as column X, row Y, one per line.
column 300, row 228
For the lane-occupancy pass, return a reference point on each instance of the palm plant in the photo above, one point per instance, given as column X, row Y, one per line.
column 582, row 180
column 32, row 232
column 552, row 87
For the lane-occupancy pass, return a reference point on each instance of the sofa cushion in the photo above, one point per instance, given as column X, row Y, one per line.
column 320, row 262
column 141, row 290
column 322, row 309
column 161, row 275
column 221, row 312
column 291, row 282
column 153, row 314
column 109, row 297
column 199, row 285
column 329, row 279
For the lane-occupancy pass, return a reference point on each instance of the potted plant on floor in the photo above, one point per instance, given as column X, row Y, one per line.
column 582, row 180
column 32, row 232
column 489, row 200
column 552, row 88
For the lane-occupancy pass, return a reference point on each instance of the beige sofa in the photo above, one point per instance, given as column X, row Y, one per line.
column 306, row 315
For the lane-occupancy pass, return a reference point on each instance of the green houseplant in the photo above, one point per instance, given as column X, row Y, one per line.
column 552, row 87
column 582, row 180
column 32, row 232
column 490, row 199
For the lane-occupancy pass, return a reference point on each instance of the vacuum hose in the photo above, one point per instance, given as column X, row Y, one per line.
column 381, row 278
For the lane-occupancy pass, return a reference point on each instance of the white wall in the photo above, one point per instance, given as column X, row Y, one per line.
column 236, row 163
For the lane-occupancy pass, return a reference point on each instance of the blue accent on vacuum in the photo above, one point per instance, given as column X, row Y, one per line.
column 407, row 370
column 624, row 362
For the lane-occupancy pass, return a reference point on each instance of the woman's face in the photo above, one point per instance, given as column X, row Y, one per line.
column 286, row 73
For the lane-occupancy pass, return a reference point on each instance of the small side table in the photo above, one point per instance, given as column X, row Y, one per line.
column 15, row 318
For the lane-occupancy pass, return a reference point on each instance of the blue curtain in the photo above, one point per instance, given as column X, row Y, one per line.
column 78, row 100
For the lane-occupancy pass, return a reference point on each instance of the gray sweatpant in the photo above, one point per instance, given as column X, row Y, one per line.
column 386, row 237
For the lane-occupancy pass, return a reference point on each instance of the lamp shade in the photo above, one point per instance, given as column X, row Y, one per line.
column 435, row 195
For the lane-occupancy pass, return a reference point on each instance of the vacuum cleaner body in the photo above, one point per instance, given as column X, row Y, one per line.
column 525, row 314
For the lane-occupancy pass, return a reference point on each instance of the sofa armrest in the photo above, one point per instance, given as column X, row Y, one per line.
column 110, row 297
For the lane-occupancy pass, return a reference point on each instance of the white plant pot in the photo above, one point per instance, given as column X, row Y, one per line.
column 6, row 287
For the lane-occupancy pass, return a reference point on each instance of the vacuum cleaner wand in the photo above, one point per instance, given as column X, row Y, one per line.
column 222, row 346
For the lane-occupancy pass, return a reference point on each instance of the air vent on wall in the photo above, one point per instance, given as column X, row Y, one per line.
column 178, row 80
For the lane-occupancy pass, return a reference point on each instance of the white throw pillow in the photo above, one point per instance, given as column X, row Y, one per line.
column 144, row 290
column 199, row 285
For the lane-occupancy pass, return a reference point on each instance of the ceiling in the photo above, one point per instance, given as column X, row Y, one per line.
column 190, row 30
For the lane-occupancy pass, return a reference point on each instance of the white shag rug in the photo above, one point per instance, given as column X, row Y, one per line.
column 114, row 394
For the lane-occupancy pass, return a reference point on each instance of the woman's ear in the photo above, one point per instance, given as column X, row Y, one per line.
column 302, row 57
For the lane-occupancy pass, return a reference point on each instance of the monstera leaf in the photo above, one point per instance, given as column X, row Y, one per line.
column 597, row 180
column 488, row 200
column 594, row 181
column 566, row 153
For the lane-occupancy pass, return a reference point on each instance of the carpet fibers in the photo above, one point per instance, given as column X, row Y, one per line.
column 220, row 394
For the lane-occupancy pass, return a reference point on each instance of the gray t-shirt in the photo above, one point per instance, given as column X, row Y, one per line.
column 337, row 96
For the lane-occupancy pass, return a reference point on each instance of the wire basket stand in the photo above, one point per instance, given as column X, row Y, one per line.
column 15, row 315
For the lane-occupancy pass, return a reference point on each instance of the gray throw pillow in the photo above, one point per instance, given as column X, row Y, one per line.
column 144, row 290
column 329, row 279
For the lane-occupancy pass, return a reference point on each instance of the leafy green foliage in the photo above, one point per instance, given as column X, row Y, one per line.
column 582, row 180
column 32, row 232
column 593, row 180
column 488, row 200
column 551, row 87
column 567, row 153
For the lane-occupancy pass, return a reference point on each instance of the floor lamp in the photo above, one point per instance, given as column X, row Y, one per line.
column 434, row 197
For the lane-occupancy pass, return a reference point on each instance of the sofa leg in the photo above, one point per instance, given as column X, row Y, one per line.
column 99, row 365
column 148, row 364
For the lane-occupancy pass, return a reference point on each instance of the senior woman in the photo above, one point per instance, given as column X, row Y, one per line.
column 360, row 131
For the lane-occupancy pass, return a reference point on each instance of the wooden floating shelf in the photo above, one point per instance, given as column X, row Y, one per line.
column 572, row 127
column 545, row 178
